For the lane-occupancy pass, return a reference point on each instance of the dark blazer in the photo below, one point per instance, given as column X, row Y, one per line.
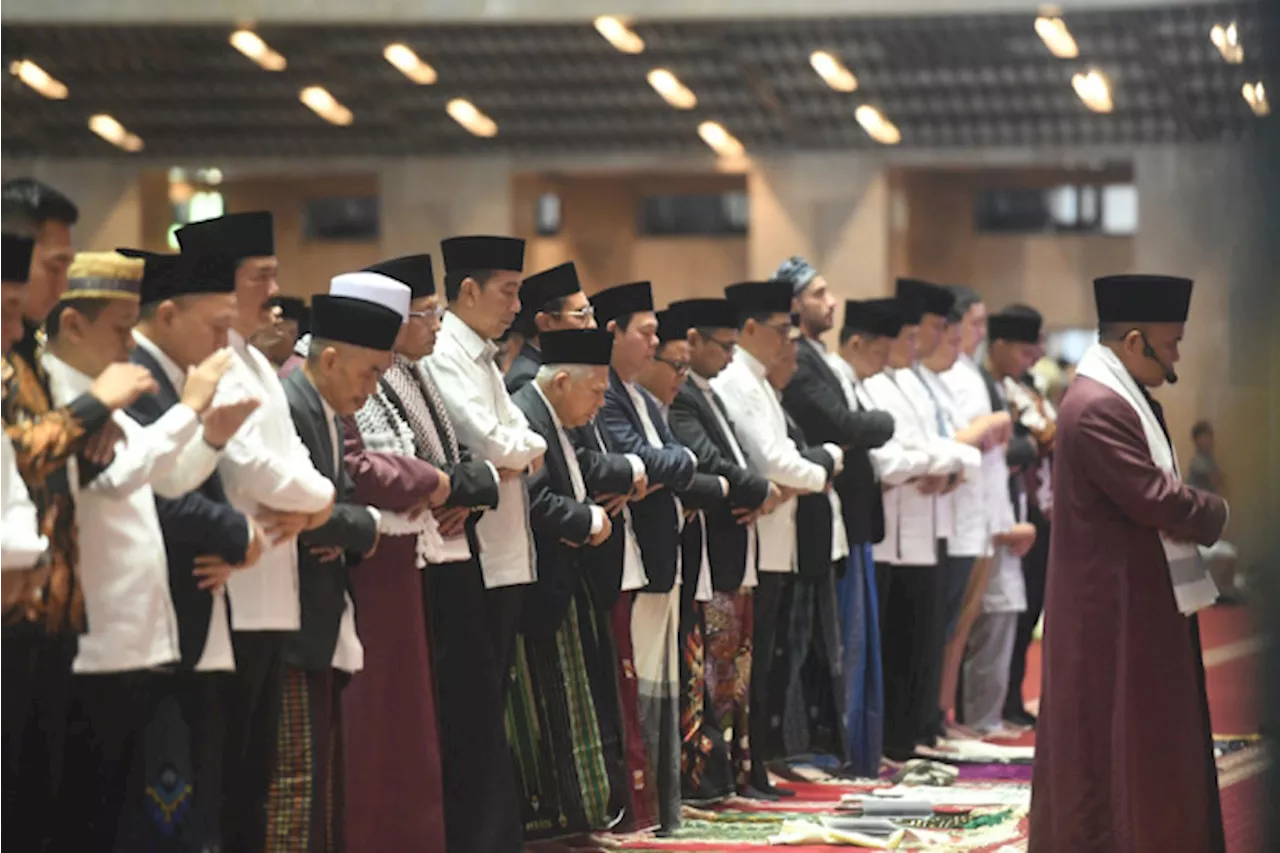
column 656, row 524
column 603, row 564
column 322, row 585
column 694, row 423
column 197, row 523
column 813, row 512
column 523, row 368
column 556, row 517
column 815, row 398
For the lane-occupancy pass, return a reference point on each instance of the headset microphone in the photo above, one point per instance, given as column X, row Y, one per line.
column 1169, row 375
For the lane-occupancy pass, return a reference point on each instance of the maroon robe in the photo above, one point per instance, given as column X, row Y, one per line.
column 394, row 792
column 1124, row 758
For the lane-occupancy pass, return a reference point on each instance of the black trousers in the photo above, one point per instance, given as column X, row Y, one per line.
column 482, row 806
column 764, row 700
column 252, row 705
column 504, row 606
column 37, row 689
column 912, row 651
column 1035, row 572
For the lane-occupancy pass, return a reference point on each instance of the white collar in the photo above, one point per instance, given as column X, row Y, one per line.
column 555, row 419
column 701, row 381
column 177, row 376
column 65, row 381
column 472, row 344
column 752, row 364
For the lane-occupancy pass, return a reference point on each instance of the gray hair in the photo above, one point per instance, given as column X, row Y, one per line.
column 577, row 372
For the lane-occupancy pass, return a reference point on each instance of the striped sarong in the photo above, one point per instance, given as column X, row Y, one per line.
column 304, row 804
column 554, row 732
column 655, row 619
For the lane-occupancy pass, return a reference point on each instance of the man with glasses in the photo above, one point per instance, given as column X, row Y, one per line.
column 550, row 301
column 700, row 420
column 760, row 424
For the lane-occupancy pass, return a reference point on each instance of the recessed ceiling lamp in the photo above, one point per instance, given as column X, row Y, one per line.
column 325, row 105
column 472, row 120
column 39, row 79
column 410, row 64
column 1094, row 89
column 251, row 45
column 877, row 126
column 616, row 31
column 1255, row 95
column 721, row 141
column 1055, row 35
column 1227, row 40
column 833, row 72
column 672, row 90
column 114, row 132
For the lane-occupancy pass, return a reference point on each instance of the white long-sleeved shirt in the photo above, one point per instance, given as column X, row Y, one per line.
column 266, row 466
column 761, row 429
column 22, row 542
column 494, row 429
column 972, row 401
column 122, row 566
column 961, row 512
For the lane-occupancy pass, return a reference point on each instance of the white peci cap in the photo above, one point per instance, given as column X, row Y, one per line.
column 373, row 287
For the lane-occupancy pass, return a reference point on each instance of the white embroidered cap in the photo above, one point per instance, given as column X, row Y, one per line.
column 373, row 287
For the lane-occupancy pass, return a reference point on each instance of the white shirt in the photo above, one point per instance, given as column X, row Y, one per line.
column 961, row 513
column 348, row 654
column 495, row 429
column 22, row 542
column 218, row 655
column 761, row 429
column 750, row 575
column 122, row 566
column 266, row 465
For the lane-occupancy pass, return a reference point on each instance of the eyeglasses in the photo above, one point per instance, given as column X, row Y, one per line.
column 580, row 314
column 783, row 329
column 438, row 312
column 729, row 347
column 680, row 367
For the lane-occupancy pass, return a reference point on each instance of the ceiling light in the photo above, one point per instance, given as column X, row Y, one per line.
column 410, row 64
column 113, row 131
column 469, row 116
column 1227, row 41
column 37, row 78
column 1094, row 90
column 1055, row 35
column 672, row 90
column 1255, row 95
column 877, row 126
column 721, row 141
column 325, row 105
column 618, row 34
column 833, row 71
column 251, row 45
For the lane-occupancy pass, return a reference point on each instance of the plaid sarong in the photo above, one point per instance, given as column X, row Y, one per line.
column 304, row 804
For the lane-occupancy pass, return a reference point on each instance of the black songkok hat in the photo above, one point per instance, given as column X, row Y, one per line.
column 918, row 298
column 760, row 297
column 413, row 270
column 708, row 313
column 1142, row 298
column 880, row 317
column 1015, row 326
column 540, row 288
column 170, row 276
column 345, row 319
column 623, row 299
column 577, row 346
column 15, row 257
column 482, row 253
column 292, row 308
column 240, row 235
column 673, row 324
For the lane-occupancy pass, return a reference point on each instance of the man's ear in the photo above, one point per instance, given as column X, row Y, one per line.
column 612, row 326
column 542, row 321
column 561, row 381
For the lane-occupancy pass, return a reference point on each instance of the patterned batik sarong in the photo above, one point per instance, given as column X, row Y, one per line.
column 705, row 771
column 729, row 625
column 863, row 684
column 304, row 804
column 655, row 618
column 640, row 799
column 554, row 730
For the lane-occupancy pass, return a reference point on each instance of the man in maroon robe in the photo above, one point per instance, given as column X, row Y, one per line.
column 1124, row 755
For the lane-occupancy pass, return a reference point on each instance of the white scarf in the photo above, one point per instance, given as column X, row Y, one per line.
column 1193, row 588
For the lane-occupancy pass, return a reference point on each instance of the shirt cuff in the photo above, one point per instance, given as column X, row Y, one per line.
column 692, row 456
column 493, row 469
column 837, row 457
column 638, row 468
column 377, row 518
column 597, row 519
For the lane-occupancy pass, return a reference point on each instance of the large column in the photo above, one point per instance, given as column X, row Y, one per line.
column 832, row 209
column 425, row 200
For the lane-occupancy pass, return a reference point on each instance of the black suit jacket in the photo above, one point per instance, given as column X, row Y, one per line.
column 556, row 516
column 815, row 398
column 695, row 424
column 602, row 564
column 197, row 523
column 813, row 512
column 322, row 586
column 523, row 368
